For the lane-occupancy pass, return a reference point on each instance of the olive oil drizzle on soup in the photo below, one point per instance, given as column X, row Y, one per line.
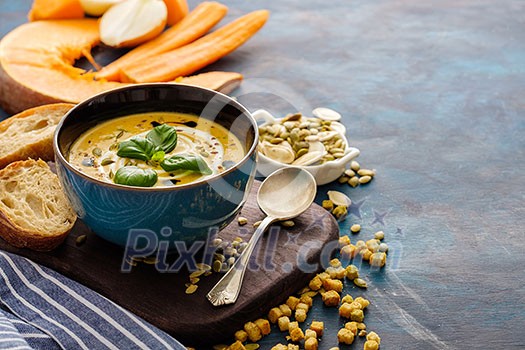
column 95, row 151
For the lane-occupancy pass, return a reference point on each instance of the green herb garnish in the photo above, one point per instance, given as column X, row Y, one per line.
column 136, row 148
column 135, row 176
column 186, row 162
column 163, row 137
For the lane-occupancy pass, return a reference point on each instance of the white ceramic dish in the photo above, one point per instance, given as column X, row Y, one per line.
column 323, row 173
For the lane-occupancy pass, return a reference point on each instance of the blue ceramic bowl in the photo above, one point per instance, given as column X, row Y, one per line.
column 184, row 213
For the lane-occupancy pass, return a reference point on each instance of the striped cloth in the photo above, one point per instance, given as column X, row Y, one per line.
column 41, row 309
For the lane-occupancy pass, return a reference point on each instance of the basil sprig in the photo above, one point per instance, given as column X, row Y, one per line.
column 186, row 162
column 136, row 148
column 135, row 176
column 160, row 138
column 164, row 137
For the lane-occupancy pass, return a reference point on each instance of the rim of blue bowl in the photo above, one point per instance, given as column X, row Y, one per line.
column 247, row 156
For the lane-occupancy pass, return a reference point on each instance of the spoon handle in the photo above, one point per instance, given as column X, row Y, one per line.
column 227, row 289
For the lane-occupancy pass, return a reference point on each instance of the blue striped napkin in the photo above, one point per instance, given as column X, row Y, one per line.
column 41, row 309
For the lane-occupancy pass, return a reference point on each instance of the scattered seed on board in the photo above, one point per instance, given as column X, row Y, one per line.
column 364, row 179
column 343, row 179
column 251, row 346
column 257, row 223
column 380, row 235
column 81, row 240
column 383, row 247
column 355, row 166
column 242, row 220
column 191, row 289
column 197, row 273
column 328, row 204
column 150, row 260
column 355, row 228
column 361, row 283
column 354, row 181
column 288, row 223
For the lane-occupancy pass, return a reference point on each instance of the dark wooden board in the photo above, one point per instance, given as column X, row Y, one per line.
column 160, row 298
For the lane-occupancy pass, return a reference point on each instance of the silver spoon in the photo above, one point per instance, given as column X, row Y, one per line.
column 285, row 194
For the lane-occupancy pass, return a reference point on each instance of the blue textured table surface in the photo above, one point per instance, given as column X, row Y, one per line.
column 433, row 94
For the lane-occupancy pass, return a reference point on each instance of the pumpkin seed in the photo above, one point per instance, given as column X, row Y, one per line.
column 343, row 179
column 107, row 161
column 191, row 289
column 311, row 293
column 276, row 141
column 336, row 150
column 257, row 223
column 197, row 273
column 354, row 181
column 194, row 280
column 361, row 283
column 292, row 117
column 355, row 166
column 303, row 290
column 301, row 152
column 203, row 266
column 339, row 198
column 242, row 220
column 380, row 235
column 349, row 172
column 326, row 114
column 216, row 242
column 338, row 155
column 220, row 347
column 219, row 257
column 137, row 258
column 251, row 346
column 150, row 260
column 288, row 223
column 311, row 138
column 366, row 172
column 364, row 179
column 97, row 152
column 81, row 240
column 217, row 264
column 328, row 204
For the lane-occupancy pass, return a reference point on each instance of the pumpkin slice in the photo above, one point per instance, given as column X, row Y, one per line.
column 55, row 9
column 177, row 10
column 132, row 22
column 36, row 64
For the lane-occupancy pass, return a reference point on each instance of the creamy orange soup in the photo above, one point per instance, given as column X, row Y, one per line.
column 96, row 152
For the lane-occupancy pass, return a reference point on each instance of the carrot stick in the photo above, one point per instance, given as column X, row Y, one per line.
column 191, row 27
column 177, row 9
column 200, row 53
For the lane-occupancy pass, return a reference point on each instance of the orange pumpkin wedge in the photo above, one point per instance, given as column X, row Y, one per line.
column 36, row 64
column 177, row 9
column 55, row 9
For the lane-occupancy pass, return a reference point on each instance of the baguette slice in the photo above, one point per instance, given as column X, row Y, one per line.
column 34, row 211
column 29, row 134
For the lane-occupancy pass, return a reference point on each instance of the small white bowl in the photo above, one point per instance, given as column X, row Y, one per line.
column 323, row 173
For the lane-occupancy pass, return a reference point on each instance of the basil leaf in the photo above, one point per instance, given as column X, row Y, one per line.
column 135, row 176
column 136, row 148
column 186, row 162
column 164, row 137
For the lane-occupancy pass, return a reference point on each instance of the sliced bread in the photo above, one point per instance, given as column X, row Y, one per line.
column 29, row 134
column 34, row 211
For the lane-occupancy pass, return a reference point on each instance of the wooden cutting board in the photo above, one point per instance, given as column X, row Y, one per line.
column 160, row 298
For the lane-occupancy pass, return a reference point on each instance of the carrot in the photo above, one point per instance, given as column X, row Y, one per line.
column 191, row 27
column 200, row 53
column 224, row 82
column 177, row 9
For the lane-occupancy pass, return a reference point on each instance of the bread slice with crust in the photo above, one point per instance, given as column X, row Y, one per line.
column 34, row 211
column 29, row 134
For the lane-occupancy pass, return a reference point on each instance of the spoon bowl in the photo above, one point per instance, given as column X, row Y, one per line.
column 285, row 194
